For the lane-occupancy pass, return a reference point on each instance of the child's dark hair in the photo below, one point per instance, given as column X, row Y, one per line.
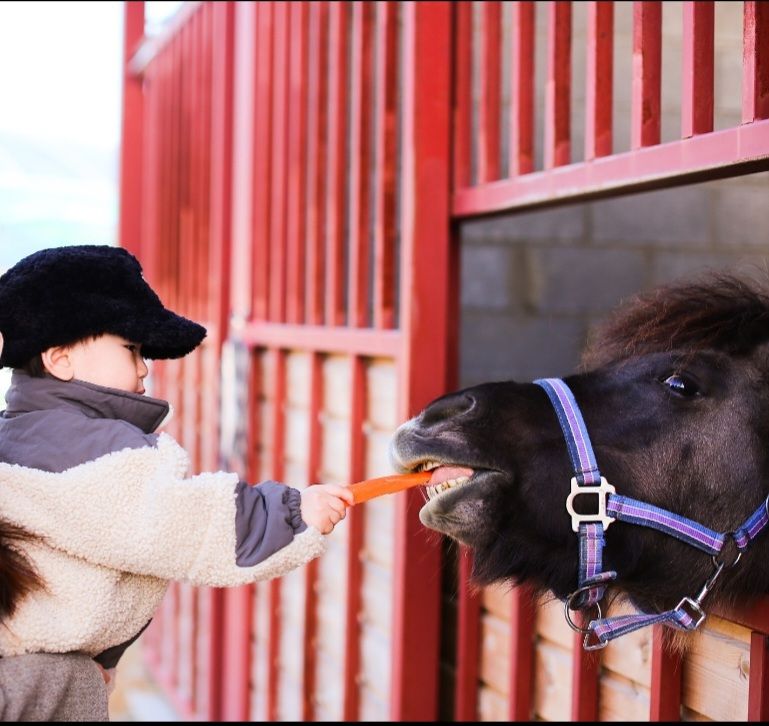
column 18, row 577
column 34, row 367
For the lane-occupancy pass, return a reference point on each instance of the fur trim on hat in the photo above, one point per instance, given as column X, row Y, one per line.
column 63, row 295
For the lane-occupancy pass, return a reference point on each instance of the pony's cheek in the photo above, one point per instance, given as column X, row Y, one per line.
column 463, row 520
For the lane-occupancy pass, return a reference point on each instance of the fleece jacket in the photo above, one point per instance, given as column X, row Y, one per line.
column 116, row 515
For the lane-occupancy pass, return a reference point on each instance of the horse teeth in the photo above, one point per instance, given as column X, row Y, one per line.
column 436, row 489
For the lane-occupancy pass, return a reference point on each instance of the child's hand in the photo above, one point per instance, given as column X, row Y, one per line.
column 325, row 505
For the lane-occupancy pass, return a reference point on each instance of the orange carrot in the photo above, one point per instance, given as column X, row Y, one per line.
column 369, row 488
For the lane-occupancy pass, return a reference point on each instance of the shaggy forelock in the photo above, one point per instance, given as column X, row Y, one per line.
column 718, row 311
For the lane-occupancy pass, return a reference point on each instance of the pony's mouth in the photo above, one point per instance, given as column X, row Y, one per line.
column 444, row 477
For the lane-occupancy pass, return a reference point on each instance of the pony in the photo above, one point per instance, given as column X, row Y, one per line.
column 673, row 389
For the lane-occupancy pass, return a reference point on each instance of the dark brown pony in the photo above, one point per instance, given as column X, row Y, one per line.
column 674, row 390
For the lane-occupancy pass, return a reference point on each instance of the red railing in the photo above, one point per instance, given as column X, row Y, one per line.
column 291, row 176
column 700, row 153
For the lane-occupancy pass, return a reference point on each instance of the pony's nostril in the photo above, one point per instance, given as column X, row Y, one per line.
column 447, row 407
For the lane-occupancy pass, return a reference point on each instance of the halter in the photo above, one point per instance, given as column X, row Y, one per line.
column 610, row 506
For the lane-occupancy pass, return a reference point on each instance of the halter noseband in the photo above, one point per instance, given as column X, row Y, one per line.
column 587, row 480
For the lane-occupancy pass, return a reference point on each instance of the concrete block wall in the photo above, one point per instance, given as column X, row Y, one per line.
column 534, row 284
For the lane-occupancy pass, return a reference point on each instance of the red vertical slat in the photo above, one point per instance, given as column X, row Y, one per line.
column 697, row 69
column 316, row 158
column 221, row 90
column 359, row 174
column 190, row 661
column 297, row 134
column 131, row 138
column 490, row 91
column 557, row 149
column 521, row 149
column 336, row 166
column 355, row 517
column 279, row 157
column 585, row 667
column 385, row 226
column 468, row 642
column 522, row 622
column 425, row 235
column 278, row 460
column 755, row 61
column 647, row 60
column 666, row 670
column 220, row 191
column 463, row 100
column 758, row 684
column 172, row 640
column 311, row 573
column 242, row 119
column 262, row 144
column 599, row 79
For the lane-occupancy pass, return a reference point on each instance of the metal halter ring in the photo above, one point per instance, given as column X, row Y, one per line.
column 567, row 607
column 717, row 562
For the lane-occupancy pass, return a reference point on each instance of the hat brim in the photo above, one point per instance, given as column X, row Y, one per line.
column 165, row 334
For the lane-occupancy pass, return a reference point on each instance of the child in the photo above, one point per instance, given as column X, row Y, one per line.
column 98, row 511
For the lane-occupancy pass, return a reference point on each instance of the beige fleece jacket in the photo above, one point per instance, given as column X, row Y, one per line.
column 113, row 533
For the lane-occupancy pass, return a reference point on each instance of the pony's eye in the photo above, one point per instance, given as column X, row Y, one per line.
column 681, row 385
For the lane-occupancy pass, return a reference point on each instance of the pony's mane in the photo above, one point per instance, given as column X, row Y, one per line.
column 716, row 311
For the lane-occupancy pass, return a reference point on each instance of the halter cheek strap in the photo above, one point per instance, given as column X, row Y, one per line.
column 688, row 614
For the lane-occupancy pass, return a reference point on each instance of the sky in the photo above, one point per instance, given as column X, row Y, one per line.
column 60, row 109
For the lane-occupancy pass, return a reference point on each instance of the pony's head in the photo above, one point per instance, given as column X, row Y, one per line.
column 674, row 391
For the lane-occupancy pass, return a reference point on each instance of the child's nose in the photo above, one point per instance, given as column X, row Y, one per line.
column 143, row 369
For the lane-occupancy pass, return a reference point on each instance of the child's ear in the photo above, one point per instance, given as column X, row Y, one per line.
column 58, row 362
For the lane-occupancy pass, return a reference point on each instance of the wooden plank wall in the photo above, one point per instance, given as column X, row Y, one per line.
column 329, row 585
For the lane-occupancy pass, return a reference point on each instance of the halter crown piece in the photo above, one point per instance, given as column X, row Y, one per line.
column 587, row 481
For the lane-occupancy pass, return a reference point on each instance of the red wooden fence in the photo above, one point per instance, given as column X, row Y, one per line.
column 293, row 176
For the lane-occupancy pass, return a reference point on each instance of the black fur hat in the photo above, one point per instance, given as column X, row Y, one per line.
column 65, row 294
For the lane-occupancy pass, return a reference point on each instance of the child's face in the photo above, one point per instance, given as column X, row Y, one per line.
column 109, row 361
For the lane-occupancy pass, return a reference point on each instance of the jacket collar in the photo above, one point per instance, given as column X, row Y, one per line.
column 28, row 394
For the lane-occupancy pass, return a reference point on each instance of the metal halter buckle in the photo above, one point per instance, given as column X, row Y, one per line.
column 600, row 491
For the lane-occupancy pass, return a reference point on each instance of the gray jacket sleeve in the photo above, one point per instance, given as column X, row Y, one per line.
column 52, row 687
column 267, row 516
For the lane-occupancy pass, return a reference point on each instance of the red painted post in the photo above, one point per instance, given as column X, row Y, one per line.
column 697, row 68
column 755, row 61
column 243, row 163
column 261, row 164
column 425, row 234
column 558, row 89
column 666, row 677
column 311, row 576
column 468, row 642
column 132, row 139
column 316, row 159
column 647, row 61
column 522, row 624
column 336, row 166
column 278, row 423
column 521, row 150
column 490, row 91
column 463, row 66
column 599, row 71
column 278, row 151
column 359, row 163
column 297, row 158
column 355, row 527
column 385, row 223
column 758, row 685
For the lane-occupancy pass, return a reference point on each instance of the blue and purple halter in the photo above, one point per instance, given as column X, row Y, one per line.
column 593, row 580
